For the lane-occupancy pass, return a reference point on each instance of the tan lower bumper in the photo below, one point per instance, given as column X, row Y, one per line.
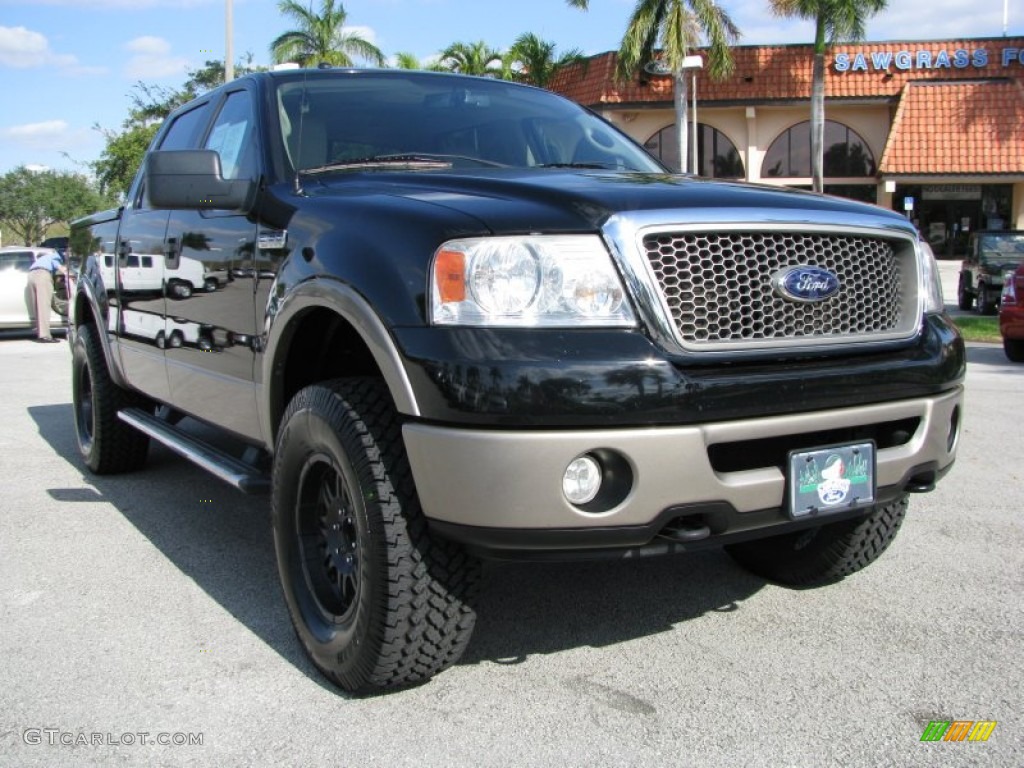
column 513, row 479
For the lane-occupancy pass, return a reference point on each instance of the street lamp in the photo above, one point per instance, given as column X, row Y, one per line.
column 229, row 53
column 692, row 63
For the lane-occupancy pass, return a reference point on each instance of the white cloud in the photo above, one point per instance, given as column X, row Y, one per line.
column 147, row 45
column 22, row 48
column 49, row 134
column 152, row 59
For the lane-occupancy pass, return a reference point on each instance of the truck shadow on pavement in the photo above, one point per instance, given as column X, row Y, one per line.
column 221, row 540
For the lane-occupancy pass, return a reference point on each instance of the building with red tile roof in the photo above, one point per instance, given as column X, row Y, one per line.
column 934, row 128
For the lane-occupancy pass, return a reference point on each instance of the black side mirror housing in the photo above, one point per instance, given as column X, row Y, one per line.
column 191, row 179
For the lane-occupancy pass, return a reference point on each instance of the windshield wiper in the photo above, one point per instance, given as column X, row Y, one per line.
column 408, row 160
column 591, row 166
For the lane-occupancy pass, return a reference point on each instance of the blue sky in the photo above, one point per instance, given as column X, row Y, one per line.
column 69, row 65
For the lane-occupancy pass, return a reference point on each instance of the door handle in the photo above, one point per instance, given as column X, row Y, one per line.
column 172, row 252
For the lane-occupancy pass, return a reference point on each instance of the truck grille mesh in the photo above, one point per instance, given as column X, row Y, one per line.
column 718, row 286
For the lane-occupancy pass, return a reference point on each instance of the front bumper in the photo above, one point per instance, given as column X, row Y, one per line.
column 501, row 489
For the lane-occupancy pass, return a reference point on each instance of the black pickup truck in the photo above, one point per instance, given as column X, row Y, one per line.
column 442, row 318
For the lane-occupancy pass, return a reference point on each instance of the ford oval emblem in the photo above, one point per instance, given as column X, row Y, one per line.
column 806, row 283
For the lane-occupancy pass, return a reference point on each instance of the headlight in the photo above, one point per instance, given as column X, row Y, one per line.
column 931, row 284
column 528, row 281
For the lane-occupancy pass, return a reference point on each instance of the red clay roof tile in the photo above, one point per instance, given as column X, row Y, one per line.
column 783, row 73
column 969, row 127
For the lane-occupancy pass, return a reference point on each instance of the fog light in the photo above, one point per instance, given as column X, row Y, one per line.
column 582, row 480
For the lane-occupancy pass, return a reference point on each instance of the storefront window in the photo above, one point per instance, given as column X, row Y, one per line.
column 946, row 214
column 846, row 153
column 717, row 156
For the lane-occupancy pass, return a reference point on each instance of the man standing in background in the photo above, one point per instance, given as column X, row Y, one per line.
column 40, row 286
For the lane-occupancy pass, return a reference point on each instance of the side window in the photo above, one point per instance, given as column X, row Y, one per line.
column 233, row 137
column 132, row 260
column 184, row 131
column 147, row 261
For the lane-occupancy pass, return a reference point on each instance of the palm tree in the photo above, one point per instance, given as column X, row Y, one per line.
column 321, row 37
column 472, row 59
column 676, row 27
column 534, row 59
column 404, row 60
column 834, row 21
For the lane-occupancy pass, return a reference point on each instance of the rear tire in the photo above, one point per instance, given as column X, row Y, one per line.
column 964, row 298
column 1014, row 349
column 107, row 444
column 823, row 555
column 985, row 304
column 376, row 601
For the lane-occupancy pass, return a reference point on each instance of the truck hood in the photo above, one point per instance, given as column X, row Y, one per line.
column 510, row 201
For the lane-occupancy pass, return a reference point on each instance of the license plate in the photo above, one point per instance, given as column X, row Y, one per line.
column 833, row 479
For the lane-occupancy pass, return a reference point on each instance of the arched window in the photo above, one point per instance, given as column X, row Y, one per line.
column 846, row 153
column 716, row 155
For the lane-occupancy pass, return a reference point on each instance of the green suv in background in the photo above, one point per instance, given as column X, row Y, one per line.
column 990, row 254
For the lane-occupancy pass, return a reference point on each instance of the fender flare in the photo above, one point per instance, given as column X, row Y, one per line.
column 325, row 293
column 86, row 301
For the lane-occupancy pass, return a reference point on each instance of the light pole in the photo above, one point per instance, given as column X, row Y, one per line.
column 693, row 63
column 229, row 53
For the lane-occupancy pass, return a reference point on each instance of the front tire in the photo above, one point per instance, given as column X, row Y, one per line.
column 823, row 555
column 179, row 289
column 107, row 444
column 376, row 601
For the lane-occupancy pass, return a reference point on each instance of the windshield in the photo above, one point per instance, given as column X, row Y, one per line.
column 1002, row 248
column 343, row 120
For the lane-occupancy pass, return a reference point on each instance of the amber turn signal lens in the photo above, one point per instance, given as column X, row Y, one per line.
column 450, row 275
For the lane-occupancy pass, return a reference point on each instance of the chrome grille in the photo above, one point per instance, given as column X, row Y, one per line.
column 718, row 287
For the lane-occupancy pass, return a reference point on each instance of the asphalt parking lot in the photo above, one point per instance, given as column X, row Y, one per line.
column 142, row 624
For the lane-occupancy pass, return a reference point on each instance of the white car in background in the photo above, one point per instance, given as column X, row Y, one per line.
column 16, row 308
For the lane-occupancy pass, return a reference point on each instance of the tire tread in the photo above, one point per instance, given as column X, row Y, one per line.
column 116, row 447
column 834, row 551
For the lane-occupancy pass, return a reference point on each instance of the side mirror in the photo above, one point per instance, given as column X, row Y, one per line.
column 191, row 179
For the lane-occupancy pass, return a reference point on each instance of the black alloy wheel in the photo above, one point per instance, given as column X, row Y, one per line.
column 327, row 537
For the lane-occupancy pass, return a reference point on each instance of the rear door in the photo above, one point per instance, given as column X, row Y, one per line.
column 139, row 253
column 16, row 308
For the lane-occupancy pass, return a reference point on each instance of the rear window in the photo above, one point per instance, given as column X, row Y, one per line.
column 18, row 260
column 1008, row 247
